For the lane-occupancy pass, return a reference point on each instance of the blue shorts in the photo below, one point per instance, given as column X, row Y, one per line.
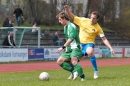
column 85, row 46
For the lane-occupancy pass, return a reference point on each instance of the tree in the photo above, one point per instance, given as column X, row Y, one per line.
column 121, row 25
column 88, row 8
column 42, row 12
column 104, row 7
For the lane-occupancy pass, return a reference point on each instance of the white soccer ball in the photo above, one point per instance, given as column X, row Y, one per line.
column 44, row 76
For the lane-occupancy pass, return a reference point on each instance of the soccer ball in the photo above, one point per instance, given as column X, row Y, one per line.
column 44, row 76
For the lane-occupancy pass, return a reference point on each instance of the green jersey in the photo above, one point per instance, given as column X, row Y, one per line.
column 71, row 32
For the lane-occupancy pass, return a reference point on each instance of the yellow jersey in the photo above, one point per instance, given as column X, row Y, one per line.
column 87, row 31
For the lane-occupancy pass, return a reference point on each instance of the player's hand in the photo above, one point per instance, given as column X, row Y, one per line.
column 112, row 51
column 66, row 7
column 59, row 49
column 64, row 50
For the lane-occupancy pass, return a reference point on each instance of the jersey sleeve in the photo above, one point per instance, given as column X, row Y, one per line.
column 73, row 32
column 77, row 20
column 100, row 32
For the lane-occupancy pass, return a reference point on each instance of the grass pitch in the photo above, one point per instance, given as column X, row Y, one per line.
column 108, row 76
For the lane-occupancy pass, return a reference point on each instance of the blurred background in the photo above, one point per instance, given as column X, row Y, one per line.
column 115, row 14
column 115, row 21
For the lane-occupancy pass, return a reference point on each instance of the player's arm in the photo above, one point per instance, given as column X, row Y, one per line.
column 72, row 36
column 106, row 42
column 104, row 39
column 70, row 39
column 67, row 42
column 70, row 14
column 65, row 45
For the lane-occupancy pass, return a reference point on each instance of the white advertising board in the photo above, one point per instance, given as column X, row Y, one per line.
column 127, row 52
column 118, row 52
column 98, row 52
column 11, row 55
column 51, row 54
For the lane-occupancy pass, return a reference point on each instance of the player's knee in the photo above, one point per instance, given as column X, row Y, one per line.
column 61, row 60
column 90, row 54
column 74, row 60
column 74, row 63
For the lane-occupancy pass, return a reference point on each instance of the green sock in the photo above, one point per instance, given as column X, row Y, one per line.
column 66, row 66
column 79, row 69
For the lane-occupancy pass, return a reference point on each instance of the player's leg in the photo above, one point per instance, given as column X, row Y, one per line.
column 78, row 69
column 71, row 75
column 62, row 61
column 76, row 56
column 94, row 64
column 90, row 52
column 88, row 49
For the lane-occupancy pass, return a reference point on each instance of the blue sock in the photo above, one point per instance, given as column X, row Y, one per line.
column 94, row 64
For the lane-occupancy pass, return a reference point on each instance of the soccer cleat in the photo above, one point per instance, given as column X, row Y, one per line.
column 70, row 77
column 82, row 79
column 75, row 75
column 95, row 75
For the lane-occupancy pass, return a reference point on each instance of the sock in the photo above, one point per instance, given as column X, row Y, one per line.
column 79, row 69
column 72, row 68
column 82, row 76
column 94, row 64
column 66, row 66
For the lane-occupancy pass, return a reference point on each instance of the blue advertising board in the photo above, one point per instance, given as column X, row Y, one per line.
column 35, row 54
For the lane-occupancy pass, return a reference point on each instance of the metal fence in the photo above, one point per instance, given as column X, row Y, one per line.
column 18, row 33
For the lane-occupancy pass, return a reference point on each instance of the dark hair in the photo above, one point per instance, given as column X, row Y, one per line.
column 17, row 5
column 63, row 15
column 96, row 13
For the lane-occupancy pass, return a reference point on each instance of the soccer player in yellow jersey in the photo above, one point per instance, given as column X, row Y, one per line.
column 88, row 30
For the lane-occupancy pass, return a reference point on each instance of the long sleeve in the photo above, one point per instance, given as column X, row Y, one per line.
column 21, row 12
column 10, row 41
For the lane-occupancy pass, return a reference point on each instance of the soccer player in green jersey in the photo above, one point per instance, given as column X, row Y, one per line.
column 73, row 52
column 88, row 30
